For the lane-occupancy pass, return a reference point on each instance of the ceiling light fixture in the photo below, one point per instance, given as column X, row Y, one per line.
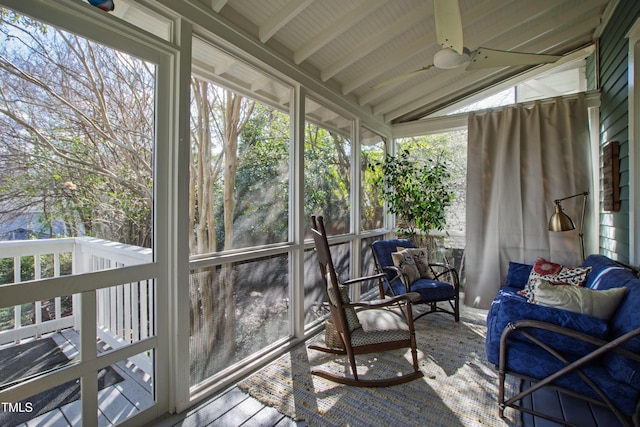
column 448, row 58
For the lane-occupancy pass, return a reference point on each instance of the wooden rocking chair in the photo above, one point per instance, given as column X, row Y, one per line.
column 373, row 329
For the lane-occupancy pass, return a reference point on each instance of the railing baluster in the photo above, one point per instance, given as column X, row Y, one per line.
column 58, row 308
column 120, row 311
column 100, row 307
column 135, row 311
column 17, row 278
column 144, row 309
column 151, row 308
column 113, row 313
column 56, row 273
column 37, row 275
column 80, row 263
column 126, row 331
column 17, row 270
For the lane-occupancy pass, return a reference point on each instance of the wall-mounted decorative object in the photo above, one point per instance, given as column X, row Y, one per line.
column 611, row 176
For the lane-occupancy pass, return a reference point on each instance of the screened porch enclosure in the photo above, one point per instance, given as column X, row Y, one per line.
column 169, row 156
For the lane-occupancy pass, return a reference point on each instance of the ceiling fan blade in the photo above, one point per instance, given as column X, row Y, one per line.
column 487, row 58
column 400, row 78
column 448, row 24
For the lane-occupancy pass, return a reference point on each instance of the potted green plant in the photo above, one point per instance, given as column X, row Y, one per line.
column 417, row 192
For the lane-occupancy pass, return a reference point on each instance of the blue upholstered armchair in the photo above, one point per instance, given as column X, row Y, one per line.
column 438, row 284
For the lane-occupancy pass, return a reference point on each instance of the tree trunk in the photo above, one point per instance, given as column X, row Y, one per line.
column 215, row 302
column 231, row 129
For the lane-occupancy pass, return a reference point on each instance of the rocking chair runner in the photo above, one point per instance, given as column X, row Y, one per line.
column 373, row 329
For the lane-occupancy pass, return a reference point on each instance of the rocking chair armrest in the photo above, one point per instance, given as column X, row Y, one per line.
column 409, row 297
column 363, row 279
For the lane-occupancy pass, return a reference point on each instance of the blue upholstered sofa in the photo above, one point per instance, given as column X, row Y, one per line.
column 599, row 359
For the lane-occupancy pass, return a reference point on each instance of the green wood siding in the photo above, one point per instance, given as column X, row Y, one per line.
column 614, row 122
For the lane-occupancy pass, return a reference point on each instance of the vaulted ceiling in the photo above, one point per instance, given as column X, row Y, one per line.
column 354, row 45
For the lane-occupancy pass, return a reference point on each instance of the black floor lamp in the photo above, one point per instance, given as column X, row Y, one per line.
column 560, row 221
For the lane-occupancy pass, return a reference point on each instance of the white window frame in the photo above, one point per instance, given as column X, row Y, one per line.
column 94, row 24
column 634, row 142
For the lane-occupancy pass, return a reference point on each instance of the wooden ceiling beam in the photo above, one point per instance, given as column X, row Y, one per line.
column 347, row 21
column 217, row 5
column 281, row 18
column 382, row 37
column 415, row 48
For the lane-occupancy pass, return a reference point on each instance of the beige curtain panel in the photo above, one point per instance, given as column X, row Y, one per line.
column 520, row 159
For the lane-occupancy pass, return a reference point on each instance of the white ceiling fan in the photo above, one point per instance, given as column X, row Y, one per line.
column 453, row 53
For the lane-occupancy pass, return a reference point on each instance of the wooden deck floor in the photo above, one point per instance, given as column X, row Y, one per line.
column 115, row 403
column 231, row 408
column 572, row 410
column 236, row 408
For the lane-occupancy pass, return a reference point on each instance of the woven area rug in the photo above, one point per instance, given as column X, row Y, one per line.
column 459, row 387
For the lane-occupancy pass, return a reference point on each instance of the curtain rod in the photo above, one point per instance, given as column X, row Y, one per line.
column 592, row 98
column 459, row 121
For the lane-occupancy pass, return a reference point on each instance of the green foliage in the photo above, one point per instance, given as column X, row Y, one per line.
column 417, row 192
column 27, row 267
column 372, row 204
column 262, row 180
column 327, row 180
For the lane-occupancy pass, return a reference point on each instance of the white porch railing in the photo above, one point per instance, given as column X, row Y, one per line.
column 125, row 313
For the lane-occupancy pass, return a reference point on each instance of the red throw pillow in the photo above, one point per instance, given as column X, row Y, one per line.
column 545, row 268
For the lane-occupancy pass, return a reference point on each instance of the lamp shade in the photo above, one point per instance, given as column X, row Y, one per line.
column 560, row 221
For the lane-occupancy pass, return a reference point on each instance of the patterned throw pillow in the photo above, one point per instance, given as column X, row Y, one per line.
column 350, row 312
column 556, row 274
column 573, row 276
column 421, row 260
column 559, row 274
column 405, row 262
